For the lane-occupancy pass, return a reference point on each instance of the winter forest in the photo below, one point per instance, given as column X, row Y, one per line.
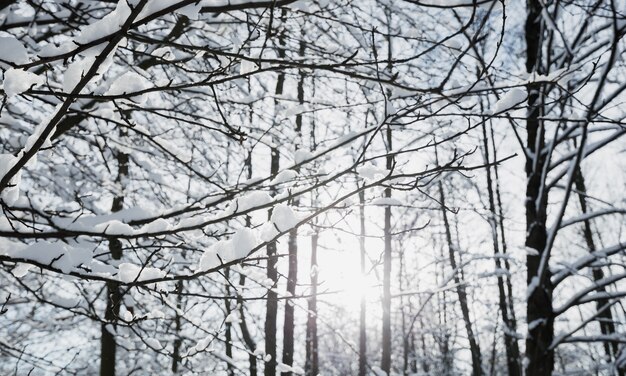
column 313, row 187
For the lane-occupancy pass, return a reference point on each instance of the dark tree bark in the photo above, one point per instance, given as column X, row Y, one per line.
column 228, row 333
column 539, row 312
column 413, row 359
column 177, row 324
column 245, row 332
column 425, row 364
column 460, row 288
column 494, row 351
column 311, row 366
column 108, row 346
column 272, row 273
column 363, row 306
column 507, row 265
column 443, row 336
column 385, row 363
column 292, row 274
column 272, row 299
column 406, row 344
column 605, row 315
column 292, row 277
column 510, row 343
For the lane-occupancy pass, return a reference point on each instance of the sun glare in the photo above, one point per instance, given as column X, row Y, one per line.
column 340, row 274
column 357, row 287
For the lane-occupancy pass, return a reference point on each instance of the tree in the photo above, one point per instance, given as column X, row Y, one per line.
column 183, row 184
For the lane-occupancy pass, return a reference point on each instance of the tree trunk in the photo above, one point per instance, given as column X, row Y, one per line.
column 292, row 275
column 228, row 333
column 272, row 300
column 507, row 265
column 460, row 289
column 245, row 333
column 108, row 345
column 406, row 350
column 311, row 365
column 605, row 316
column 413, row 359
column 363, row 306
column 177, row 323
column 312, row 361
column 510, row 343
column 272, row 258
column 425, row 363
column 385, row 364
column 386, row 335
column 494, row 350
column 539, row 313
column 443, row 337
